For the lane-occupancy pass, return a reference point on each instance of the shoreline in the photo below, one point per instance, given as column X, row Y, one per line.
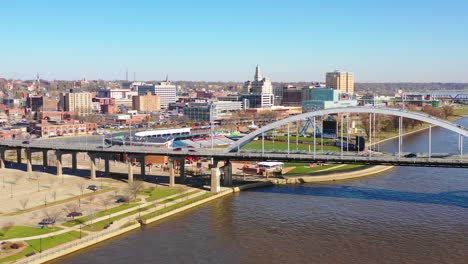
column 413, row 132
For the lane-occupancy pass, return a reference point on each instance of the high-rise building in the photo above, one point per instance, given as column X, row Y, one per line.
column 165, row 90
column 259, row 92
column 340, row 80
column 41, row 103
column 146, row 103
column 79, row 103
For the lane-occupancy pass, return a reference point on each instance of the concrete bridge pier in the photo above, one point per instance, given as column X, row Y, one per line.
column 2, row 158
column 107, row 165
column 18, row 155
column 182, row 170
column 171, row 172
column 130, row 171
column 59, row 163
column 45, row 161
column 215, row 178
column 227, row 169
column 74, row 162
column 92, row 166
column 142, row 167
column 28, row 161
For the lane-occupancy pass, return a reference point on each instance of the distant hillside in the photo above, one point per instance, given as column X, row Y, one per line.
column 391, row 88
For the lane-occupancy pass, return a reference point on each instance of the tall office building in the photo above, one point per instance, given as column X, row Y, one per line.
column 166, row 91
column 258, row 92
column 146, row 103
column 79, row 103
column 340, row 80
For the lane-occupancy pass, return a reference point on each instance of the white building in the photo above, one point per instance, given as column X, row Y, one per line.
column 258, row 92
column 166, row 91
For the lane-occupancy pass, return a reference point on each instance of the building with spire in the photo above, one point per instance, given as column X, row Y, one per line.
column 259, row 92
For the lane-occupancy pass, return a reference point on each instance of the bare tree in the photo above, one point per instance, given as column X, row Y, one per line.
column 81, row 187
column 71, row 209
column 54, row 195
column 6, row 227
column 107, row 202
column 51, row 181
column 134, row 188
column 91, row 199
column 24, row 203
column 51, row 215
column 14, row 180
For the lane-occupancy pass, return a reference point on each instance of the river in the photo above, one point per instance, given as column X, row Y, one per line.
column 408, row 215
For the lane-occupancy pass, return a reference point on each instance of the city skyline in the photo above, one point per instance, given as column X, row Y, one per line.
column 418, row 41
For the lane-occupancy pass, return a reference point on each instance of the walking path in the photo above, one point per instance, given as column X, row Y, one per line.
column 79, row 226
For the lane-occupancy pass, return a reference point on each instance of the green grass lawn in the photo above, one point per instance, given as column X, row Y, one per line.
column 160, row 192
column 98, row 226
column 283, row 146
column 326, row 141
column 45, row 243
column 26, row 231
column 176, row 206
column 305, row 169
column 113, row 210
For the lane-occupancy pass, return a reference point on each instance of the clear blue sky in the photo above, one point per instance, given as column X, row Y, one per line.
column 293, row 40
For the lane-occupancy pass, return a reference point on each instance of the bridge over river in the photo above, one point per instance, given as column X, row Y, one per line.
column 234, row 152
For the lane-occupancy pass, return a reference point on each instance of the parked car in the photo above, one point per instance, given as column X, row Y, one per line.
column 121, row 200
column 47, row 221
column 92, row 188
column 74, row 214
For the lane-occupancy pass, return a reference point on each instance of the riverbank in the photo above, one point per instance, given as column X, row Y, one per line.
column 334, row 176
column 413, row 132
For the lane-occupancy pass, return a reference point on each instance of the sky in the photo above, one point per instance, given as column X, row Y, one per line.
column 293, row 40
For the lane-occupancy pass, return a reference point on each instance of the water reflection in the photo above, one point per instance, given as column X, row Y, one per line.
column 452, row 198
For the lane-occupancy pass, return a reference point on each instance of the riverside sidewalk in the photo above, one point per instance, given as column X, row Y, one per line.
column 77, row 227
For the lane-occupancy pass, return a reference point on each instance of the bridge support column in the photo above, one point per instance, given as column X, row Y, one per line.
column 227, row 169
column 2, row 158
column 18, row 155
column 45, row 161
column 59, row 164
column 74, row 162
column 92, row 166
column 29, row 161
column 107, row 166
column 171, row 172
column 142, row 167
column 182, row 170
column 215, row 179
column 130, row 171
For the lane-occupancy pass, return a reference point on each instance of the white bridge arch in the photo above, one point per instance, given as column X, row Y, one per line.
column 359, row 109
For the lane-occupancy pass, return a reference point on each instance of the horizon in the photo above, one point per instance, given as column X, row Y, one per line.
column 391, row 41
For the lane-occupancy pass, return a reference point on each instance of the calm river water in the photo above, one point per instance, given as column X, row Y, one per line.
column 408, row 215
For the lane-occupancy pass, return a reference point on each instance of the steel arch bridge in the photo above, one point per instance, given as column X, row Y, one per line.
column 370, row 110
